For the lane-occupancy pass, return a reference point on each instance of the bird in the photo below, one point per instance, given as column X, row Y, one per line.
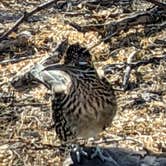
column 83, row 104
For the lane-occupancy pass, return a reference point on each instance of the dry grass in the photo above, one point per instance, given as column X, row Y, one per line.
column 24, row 135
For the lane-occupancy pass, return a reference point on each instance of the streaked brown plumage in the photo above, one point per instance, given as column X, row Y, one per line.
column 87, row 104
column 83, row 104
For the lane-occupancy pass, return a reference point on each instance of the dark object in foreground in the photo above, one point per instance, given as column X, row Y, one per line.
column 123, row 157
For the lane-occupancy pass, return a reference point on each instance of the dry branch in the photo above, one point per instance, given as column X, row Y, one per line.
column 128, row 70
column 14, row 60
column 25, row 16
column 152, row 16
column 157, row 3
column 113, row 28
column 128, row 66
column 108, row 69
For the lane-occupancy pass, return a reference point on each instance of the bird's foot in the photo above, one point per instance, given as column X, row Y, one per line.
column 79, row 151
column 99, row 153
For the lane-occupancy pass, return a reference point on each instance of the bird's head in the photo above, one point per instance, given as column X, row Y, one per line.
column 77, row 56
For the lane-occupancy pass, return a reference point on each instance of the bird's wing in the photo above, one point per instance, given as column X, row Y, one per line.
column 56, row 80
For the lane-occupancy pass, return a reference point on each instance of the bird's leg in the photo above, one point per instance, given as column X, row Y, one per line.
column 99, row 153
column 79, row 151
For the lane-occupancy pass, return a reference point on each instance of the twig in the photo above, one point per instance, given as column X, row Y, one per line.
column 152, row 153
column 29, row 145
column 74, row 14
column 110, row 140
column 25, row 16
column 120, row 66
column 86, row 28
column 162, row 5
column 113, row 28
column 110, row 68
column 29, row 104
column 155, row 60
column 18, row 155
column 128, row 70
column 14, row 60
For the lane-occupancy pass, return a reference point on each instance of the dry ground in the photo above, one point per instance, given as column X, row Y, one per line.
column 141, row 120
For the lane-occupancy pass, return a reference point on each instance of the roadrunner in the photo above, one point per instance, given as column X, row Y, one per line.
column 83, row 104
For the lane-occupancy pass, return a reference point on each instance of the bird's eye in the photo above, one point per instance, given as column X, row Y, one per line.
column 82, row 63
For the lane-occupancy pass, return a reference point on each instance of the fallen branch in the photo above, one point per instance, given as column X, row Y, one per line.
column 114, row 28
column 144, row 18
column 86, row 28
column 14, row 60
column 74, row 14
column 108, row 69
column 128, row 70
column 29, row 104
column 112, row 68
column 25, row 16
column 157, row 3
column 22, row 143
column 6, row 97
